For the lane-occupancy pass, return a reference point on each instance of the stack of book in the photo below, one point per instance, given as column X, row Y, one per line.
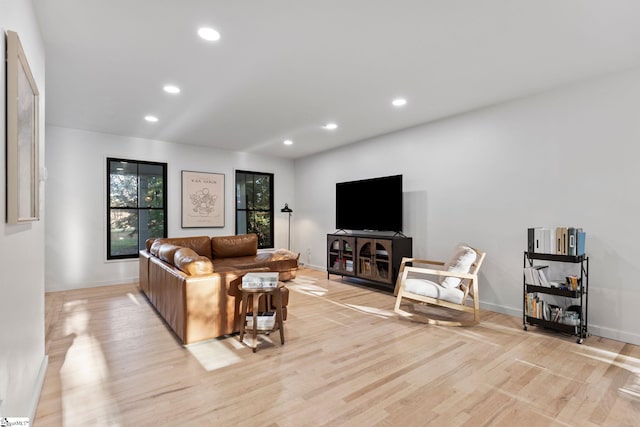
column 260, row 280
column 537, row 276
column 265, row 320
column 559, row 241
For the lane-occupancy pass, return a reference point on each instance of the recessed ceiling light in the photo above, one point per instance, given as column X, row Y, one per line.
column 287, row 142
column 171, row 89
column 152, row 119
column 330, row 126
column 209, row 34
column 399, row 102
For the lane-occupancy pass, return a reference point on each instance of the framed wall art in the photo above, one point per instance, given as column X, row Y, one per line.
column 202, row 199
column 22, row 136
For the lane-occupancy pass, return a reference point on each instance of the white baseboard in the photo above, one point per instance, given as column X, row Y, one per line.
column 600, row 331
column 42, row 373
column 614, row 334
column 71, row 286
column 510, row 311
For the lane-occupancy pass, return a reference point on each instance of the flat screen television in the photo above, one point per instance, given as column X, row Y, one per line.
column 370, row 204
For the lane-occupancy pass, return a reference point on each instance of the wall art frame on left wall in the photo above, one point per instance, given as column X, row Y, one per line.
column 202, row 199
column 23, row 133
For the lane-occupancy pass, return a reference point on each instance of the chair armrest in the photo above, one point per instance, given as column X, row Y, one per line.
column 421, row 261
column 405, row 261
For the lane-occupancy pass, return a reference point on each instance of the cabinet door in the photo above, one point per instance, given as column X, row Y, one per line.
column 382, row 260
column 366, row 263
column 340, row 254
column 347, row 244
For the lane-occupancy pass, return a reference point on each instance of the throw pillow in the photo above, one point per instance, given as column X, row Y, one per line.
column 280, row 254
column 461, row 262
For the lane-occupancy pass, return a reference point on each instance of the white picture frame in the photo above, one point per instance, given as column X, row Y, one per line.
column 22, row 145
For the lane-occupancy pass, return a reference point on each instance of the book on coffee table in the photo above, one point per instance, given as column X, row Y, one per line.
column 260, row 280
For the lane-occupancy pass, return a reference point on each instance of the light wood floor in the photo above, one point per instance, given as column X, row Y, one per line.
column 347, row 360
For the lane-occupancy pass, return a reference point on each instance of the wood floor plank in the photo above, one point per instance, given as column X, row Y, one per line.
column 348, row 360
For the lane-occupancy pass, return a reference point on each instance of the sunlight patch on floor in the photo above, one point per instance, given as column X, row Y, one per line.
column 631, row 364
column 304, row 279
column 216, row 354
column 133, row 298
column 308, row 289
column 544, row 368
column 84, row 375
column 468, row 333
column 385, row 314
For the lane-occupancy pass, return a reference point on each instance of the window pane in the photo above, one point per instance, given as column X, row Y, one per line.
column 151, row 225
column 123, row 186
column 241, row 195
column 151, row 186
column 260, row 223
column 262, row 192
column 248, row 190
column 241, row 222
column 124, row 232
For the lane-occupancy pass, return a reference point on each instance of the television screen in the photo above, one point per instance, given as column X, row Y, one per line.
column 370, row 204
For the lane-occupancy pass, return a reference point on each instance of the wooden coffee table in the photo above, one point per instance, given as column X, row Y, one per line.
column 276, row 295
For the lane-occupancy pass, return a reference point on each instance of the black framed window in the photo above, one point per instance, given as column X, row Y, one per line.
column 136, row 205
column 254, row 206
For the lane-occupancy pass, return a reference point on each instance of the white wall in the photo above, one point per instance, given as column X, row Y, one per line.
column 564, row 158
column 22, row 359
column 76, row 186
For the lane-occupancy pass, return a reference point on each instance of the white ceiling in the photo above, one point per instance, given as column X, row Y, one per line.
column 283, row 68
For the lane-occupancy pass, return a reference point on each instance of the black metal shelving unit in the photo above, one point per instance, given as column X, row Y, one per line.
column 581, row 295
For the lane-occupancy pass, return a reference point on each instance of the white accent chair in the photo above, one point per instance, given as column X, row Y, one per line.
column 452, row 285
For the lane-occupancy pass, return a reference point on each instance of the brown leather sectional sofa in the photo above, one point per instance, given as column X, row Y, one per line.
column 193, row 281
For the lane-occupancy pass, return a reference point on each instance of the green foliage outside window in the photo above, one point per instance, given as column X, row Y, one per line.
column 136, row 205
column 254, row 206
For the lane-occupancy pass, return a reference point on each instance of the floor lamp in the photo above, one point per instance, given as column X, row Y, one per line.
column 288, row 210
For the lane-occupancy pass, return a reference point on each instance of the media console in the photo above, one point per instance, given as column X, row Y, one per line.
column 373, row 258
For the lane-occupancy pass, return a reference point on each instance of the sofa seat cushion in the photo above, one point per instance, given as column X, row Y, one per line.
column 431, row 289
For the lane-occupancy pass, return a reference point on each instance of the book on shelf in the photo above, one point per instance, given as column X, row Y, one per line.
column 571, row 241
column 581, row 237
column 541, row 240
column 537, row 276
column 559, row 241
column 348, row 265
column 260, row 280
column 540, row 309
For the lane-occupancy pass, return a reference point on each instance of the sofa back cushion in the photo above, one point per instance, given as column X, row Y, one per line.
column 166, row 252
column 191, row 263
column 234, row 246
column 200, row 244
